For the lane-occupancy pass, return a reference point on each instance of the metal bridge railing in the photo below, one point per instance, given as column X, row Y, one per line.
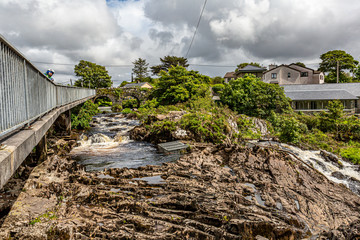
column 26, row 93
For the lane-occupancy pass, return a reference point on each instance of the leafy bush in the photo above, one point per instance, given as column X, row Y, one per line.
column 126, row 111
column 246, row 128
column 82, row 115
column 102, row 102
column 352, row 154
column 218, row 88
column 311, row 121
column 206, row 127
column 253, row 97
column 130, row 103
column 179, row 85
column 116, row 108
column 288, row 128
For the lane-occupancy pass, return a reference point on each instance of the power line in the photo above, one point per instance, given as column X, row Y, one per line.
column 73, row 64
column 210, row 65
column 197, row 26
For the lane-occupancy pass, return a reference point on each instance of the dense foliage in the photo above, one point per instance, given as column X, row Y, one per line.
column 329, row 63
column 253, row 97
column 82, row 115
column 179, row 85
column 167, row 62
column 92, row 75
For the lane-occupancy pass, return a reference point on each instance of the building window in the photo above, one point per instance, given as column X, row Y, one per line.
column 289, row 75
column 321, row 77
column 273, row 76
column 304, row 74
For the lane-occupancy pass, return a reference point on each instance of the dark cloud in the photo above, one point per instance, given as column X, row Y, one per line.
column 118, row 32
column 162, row 37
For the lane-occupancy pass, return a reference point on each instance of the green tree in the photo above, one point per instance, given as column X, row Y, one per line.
column 92, row 75
column 179, row 85
column 140, row 70
column 356, row 74
column 169, row 61
column 330, row 60
column 299, row 64
column 253, row 97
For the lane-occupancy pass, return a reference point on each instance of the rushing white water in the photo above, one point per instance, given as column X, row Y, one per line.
column 108, row 145
column 342, row 172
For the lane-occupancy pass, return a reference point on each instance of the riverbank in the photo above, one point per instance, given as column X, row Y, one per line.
column 214, row 192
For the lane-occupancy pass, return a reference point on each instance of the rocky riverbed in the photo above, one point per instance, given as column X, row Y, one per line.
column 214, row 192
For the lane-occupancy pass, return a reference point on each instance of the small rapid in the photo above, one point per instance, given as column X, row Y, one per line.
column 108, row 145
column 335, row 169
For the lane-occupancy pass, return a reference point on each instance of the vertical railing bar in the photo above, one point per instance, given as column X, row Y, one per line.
column 2, row 89
column 26, row 91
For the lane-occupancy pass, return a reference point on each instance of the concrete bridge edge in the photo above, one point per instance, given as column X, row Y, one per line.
column 19, row 146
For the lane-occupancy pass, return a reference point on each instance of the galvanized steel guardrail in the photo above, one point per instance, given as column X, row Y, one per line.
column 26, row 93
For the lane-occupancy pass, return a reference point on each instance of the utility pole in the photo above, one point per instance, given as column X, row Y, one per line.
column 337, row 71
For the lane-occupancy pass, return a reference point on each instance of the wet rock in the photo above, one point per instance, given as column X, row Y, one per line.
column 338, row 175
column 330, row 157
column 203, row 195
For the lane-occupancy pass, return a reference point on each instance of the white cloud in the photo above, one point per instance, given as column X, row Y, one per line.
column 231, row 31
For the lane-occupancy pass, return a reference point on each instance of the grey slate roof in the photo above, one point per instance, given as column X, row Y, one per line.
column 339, row 94
column 353, row 88
column 251, row 68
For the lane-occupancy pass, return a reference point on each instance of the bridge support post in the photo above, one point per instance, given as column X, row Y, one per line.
column 63, row 122
column 41, row 150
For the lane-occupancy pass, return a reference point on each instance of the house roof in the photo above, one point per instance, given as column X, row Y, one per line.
column 282, row 65
column 315, row 71
column 353, row 88
column 230, row 75
column 290, row 66
column 320, row 95
column 130, row 85
column 251, row 68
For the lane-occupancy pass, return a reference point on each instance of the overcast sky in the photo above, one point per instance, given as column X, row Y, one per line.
column 114, row 33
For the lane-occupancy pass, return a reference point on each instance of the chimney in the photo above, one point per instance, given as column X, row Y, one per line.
column 272, row 66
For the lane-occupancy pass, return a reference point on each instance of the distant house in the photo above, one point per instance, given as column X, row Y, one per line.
column 250, row 69
column 229, row 76
column 140, row 85
column 315, row 97
column 292, row 74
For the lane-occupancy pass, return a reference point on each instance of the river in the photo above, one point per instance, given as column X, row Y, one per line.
column 107, row 145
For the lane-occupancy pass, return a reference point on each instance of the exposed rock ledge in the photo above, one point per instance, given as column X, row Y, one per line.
column 214, row 193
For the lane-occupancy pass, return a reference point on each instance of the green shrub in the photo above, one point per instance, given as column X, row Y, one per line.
column 130, row 103
column 82, row 115
column 116, row 108
column 253, row 97
column 218, row 88
column 247, row 129
column 206, row 127
column 126, row 111
column 352, row 154
column 287, row 127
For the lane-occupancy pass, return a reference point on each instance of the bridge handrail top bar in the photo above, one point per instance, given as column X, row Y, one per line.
column 8, row 44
